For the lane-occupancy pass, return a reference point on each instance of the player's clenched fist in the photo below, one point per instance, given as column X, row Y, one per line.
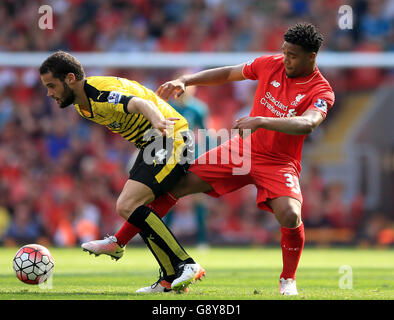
column 247, row 125
column 171, row 88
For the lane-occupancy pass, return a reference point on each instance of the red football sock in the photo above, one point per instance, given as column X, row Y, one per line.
column 292, row 242
column 161, row 206
column 126, row 233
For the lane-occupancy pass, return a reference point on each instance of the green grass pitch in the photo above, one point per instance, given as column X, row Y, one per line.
column 232, row 274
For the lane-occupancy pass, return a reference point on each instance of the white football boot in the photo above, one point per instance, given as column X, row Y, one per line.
column 159, row 286
column 108, row 245
column 288, row 287
column 187, row 274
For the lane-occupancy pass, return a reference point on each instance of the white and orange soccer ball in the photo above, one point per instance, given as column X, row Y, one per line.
column 33, row 264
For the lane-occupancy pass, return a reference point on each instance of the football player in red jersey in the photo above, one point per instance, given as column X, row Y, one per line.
column 292, row 99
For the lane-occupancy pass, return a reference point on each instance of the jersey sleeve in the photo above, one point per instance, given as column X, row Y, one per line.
column 254, row 69
column 322, row 102
column 119, row 99
column 122, row 92
column 109, row 90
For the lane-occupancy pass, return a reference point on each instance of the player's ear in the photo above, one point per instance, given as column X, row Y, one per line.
column 312, row 56
column 70, row 78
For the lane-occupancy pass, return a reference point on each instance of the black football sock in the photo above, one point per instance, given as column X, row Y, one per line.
column 160, row 241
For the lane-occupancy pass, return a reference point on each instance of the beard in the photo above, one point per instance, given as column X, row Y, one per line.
column 68, row 96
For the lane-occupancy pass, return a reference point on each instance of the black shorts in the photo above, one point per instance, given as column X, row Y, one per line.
column 158, row 168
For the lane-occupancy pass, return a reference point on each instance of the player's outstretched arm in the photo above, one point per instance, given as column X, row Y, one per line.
column 151, row 113
column 209, row 77
column 297, row 125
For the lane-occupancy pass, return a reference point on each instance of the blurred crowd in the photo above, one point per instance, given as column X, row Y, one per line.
column 60, row 175
column 193, row 25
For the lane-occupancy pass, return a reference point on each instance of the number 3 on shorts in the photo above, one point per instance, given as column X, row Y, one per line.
column 292, row 182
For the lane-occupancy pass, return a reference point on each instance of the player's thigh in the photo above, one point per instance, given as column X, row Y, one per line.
column 159, row 176
column 279, row 191
column 133, row 195
column 189, row 184
column 214, row 173
column 287, row 211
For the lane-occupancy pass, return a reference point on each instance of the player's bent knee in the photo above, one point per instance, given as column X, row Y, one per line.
column 125, row 208
column 290, row 218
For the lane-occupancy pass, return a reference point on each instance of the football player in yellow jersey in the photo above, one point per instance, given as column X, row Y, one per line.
column 135, row 112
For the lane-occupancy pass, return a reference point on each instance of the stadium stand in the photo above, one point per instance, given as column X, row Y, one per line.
column 57, row 184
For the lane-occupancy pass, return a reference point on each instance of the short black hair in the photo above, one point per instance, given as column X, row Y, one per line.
column 62, row 63
column 305, row 35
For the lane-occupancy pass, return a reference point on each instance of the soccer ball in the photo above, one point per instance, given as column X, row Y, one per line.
column 33, row 264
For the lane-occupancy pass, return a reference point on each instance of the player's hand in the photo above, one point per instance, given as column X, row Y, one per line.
column 165, row 125
column 173, row 88
column 246, row 125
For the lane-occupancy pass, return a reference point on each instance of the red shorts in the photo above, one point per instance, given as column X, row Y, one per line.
column 227, row 170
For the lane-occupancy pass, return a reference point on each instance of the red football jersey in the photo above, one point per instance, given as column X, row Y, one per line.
column 280, row 96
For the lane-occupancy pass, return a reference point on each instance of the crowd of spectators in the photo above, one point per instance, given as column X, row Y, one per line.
column 193, row 25
column 60, row 175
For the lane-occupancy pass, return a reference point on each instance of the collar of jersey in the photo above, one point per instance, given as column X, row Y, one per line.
column 88, row 91
column 303, row 80
column 306, row 79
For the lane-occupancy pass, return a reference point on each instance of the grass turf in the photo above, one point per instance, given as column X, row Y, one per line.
column 232, row 274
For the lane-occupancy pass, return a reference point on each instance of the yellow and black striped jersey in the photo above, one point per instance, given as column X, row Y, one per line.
column 108, row 98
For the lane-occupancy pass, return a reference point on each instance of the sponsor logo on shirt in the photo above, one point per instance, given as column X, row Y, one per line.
column 275, row 83
column 114, row 97
column 114, row 125
column 321, row 104
column 276, row 106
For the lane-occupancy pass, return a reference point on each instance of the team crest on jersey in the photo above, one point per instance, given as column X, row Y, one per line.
column 321, row 104
column 275, row 83
column 114, row 97
column 297, row 99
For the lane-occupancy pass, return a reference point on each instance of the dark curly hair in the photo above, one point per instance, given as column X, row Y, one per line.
column 62, row 63
column 305, row 35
